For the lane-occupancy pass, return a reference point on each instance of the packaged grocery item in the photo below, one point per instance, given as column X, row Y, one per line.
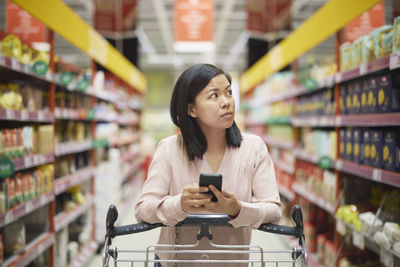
column 10, row 97
column 390, row 146
column 392, row 231
column 345, row 56
column 342, row 99
column 342, row 136
column 370, row 223
column 376, row 148
column 357, row 141
column 396, row 34
column 11, row 46
column 356, row 56
column 349, row 97
column 364, row 95
column 373, row 95
column 14, row 237
column 383, row 40
column 349, row 144
column 45, row 133
column 3, row 197
column 367, row 49
column 382, row 240
column 10, row 198
column 388, row 92
column 356, row 97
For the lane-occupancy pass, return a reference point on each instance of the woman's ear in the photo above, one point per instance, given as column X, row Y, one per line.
column 191, row 110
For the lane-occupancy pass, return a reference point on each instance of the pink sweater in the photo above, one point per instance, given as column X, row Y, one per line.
column 247, row 171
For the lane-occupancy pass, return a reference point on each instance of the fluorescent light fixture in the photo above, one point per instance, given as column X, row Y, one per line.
column 190, row 47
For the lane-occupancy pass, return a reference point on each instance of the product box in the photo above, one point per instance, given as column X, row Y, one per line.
column 372, row 99
column 356, row 97
column 389, row 92
column 396, row 34
column 349, row 98
column 383, row 40
column 390, row 146
column 44, row 134
column 342, row 98
column 342, row 137
column 365, row 149
column 357, row 141
column 364, row 95
column 349, row 144
column 376, row 148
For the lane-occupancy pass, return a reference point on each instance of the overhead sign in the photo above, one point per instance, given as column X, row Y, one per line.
column 193, row 25
column 268, row 15
column 364, row 24
column 22, row 24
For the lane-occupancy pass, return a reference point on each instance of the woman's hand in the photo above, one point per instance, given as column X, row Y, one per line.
column 226, row 203
column 194, row 199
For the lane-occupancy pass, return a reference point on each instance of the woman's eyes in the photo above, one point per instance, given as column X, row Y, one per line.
column 215, row 95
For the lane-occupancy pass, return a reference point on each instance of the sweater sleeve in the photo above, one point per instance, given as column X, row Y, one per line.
column 265, row 205
column 155, row 204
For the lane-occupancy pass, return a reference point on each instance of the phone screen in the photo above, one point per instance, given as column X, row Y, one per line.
column 211, row 178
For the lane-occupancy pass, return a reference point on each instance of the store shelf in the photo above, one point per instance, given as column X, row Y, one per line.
column 372, row 120
column 273, row 141
column 105, row 117
column 135, row 167
column 314, row 198
column 363, row 69
column 314, row 121
column 33, row 250
column 286, row 192
column 32, row 161
column 125, row 140
column 12, row 69
column 284, row 166
column 73, row 147
column 24, row 115
column 365, row 240
column 127, row 120
column 72, row 114
column 65, row 218
column 25, row 208
column 63, row 183
column 279, row 120
column 103, row 95
column 368, row 172
column 84, row 254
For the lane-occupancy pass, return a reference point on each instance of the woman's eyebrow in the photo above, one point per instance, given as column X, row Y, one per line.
column 216, row 89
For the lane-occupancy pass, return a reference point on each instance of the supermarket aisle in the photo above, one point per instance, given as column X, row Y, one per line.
column 140, row 241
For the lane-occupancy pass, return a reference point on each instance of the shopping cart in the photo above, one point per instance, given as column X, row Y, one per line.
column 259, row 257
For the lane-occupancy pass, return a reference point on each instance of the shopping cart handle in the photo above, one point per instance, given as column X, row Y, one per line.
column 210, row 219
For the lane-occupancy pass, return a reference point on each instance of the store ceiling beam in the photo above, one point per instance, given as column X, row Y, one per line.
column 63, row 20
column 224, row 17
column 329, row 19
column 164, row 25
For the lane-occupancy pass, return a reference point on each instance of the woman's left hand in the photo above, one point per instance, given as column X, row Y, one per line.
column 227, row 203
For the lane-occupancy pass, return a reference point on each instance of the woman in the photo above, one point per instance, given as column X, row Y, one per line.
column 203, row 107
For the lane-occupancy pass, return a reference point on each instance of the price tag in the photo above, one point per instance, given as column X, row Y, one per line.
column 36, row 160
column 339, row 165
column 27, row 162
column 338, row 120
column 15, row 64
column 377, row 175
column 363, row 69
column 338, row 77
column 340, row 228
column 394, row 61
column 10, row 114
column 24, row 115
column 28, row 206
column 57, row 113
column 40, row 115
column 9, row 217
column 386, row 257
column 358, row 240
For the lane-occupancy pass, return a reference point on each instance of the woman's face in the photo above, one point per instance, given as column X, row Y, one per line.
column 214, row 106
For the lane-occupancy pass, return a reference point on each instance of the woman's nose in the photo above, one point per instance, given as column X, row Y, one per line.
column 225, row 102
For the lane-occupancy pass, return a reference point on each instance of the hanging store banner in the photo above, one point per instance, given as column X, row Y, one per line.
column 364, row 24
column 115, row 16
column 268, row 15
column 22, row 24
column 194, row 25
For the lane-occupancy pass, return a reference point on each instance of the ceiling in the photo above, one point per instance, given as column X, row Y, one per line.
column 155, row 34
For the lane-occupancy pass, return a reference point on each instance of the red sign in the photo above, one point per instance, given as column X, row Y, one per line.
column 366, row 23
column 268, row 15
column 115, row 16
column 22, row 24
column 194, row 20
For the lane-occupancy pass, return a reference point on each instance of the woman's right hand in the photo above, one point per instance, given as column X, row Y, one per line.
column 194, row 199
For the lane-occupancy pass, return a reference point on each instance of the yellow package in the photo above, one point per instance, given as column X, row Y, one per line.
column 26, row 54
column 11, row 46
column 396, row 34
column 345, row 56
column 383, row 40
column 356, row 52
column 367, row 49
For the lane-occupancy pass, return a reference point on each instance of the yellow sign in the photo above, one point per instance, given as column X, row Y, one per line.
column 64, row 21
column 326, row 21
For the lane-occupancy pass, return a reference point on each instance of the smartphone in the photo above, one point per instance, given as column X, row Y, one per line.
column 211, row 178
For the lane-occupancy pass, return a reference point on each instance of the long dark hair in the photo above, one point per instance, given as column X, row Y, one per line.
column 189, row 84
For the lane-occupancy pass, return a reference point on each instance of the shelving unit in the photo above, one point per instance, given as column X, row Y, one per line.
column 125, row 114
column 309, row 189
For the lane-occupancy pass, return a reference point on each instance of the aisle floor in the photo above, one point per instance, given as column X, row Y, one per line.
column 142, row 240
